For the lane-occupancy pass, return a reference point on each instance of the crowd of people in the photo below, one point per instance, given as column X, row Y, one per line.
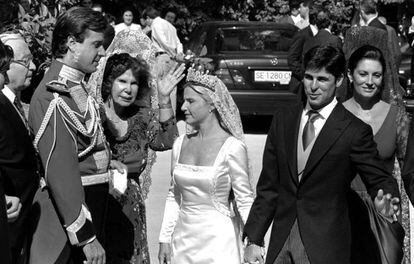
column 75, row 164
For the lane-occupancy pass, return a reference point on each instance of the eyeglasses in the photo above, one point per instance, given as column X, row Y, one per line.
column 25, row 62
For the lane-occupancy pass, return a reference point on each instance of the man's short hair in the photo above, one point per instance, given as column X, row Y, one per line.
column 323, row 19
column 75, row 22
column 325, row 57
column 150, row 12
column 369, row 6
column 307, row 3
column 294, row 4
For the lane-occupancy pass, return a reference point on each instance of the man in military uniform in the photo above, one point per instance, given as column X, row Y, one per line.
column 69, row 137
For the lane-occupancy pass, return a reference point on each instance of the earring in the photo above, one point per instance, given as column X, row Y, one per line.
column 210, row 111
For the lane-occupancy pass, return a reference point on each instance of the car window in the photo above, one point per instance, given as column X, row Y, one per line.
column 198, row 46
column 253, row 39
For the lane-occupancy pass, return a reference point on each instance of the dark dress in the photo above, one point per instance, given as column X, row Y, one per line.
column 365, row 247
column 126, row 232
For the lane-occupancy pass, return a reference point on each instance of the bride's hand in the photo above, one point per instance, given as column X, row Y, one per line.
column 164, row 253
column 167, row 83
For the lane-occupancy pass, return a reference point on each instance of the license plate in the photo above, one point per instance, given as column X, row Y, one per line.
column 282, row 77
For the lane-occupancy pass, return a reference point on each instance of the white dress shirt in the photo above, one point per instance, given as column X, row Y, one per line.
column 164, row 36
column 12, row 96
column 324, row 112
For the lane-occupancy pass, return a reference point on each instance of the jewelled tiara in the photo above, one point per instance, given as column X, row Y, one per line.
column 204, row 79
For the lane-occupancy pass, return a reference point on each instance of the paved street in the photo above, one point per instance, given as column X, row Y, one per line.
column 160, row 184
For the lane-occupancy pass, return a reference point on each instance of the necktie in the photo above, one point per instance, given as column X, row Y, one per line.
column 309, row 129
column 19, row 107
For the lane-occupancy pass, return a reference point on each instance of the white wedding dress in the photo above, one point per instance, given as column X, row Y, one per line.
column 198, row 219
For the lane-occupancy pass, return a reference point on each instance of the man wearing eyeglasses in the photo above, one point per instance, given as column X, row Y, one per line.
column 18, row 164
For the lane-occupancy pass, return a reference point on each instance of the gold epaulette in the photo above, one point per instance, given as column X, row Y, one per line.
column 57, row 86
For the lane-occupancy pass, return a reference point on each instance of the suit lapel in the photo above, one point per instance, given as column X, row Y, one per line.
column 291, row 140
column 10, row 112
column 333, row 128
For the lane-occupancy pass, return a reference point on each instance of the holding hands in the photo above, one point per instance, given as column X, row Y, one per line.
column 253, row 254
column 387, row 205
column 164, row 253
column 13, row 208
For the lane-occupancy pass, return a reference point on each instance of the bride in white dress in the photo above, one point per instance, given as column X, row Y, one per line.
column 210, row 194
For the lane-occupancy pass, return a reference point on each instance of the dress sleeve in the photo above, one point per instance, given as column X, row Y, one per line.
column 162, row 134
column 173, row 202
column 58, row 152
column 239, row 172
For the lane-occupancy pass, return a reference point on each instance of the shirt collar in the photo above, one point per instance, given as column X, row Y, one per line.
column 9, row 94
column 71, row 74
column 324, row 111
column 370, row 20
column 314, row 29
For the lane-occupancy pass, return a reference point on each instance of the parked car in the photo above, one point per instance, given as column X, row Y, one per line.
column 251, row 59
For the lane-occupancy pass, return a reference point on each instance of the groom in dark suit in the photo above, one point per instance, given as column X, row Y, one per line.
column 312, row 153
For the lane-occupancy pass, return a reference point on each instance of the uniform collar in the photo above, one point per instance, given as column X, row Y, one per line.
column 71, row 74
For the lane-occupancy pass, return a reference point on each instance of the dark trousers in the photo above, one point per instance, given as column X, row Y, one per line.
column 96, row 198
column 293, row 251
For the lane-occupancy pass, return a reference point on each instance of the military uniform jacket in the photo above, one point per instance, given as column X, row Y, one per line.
column 71, row 145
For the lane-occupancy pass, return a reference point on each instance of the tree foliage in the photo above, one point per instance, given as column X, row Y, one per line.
column 37, row 21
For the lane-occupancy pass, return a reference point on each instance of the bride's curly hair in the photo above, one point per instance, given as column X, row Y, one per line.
column 117, row 65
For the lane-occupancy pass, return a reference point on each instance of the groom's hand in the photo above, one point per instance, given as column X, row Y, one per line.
column 387, row 205
column 253, row 254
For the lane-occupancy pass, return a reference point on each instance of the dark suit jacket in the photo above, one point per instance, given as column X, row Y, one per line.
column 4, row 241
column 322, row 38
column 319, row 202
column 18, row 167
column 296, row 51
column 376, row 23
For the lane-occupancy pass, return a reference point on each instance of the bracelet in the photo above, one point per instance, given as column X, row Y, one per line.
column 165, row 106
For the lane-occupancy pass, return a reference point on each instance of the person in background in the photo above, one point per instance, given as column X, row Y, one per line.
column 393, row 41
column 170, row 15
column 210, row 179
column 64, row 115
column 111, row 19
column 86, row 3
column 304, row 8
column 369, row 14
column 163, row 34
column 128, row 22
column 295, row 54
column 294, row 16
column 297, row 190
column 145, row 28
column 324, row 37
column 18, row 160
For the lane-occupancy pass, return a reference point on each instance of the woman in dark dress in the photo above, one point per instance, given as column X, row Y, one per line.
column 366, row 69
column 132, row 128
column 134, row 90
